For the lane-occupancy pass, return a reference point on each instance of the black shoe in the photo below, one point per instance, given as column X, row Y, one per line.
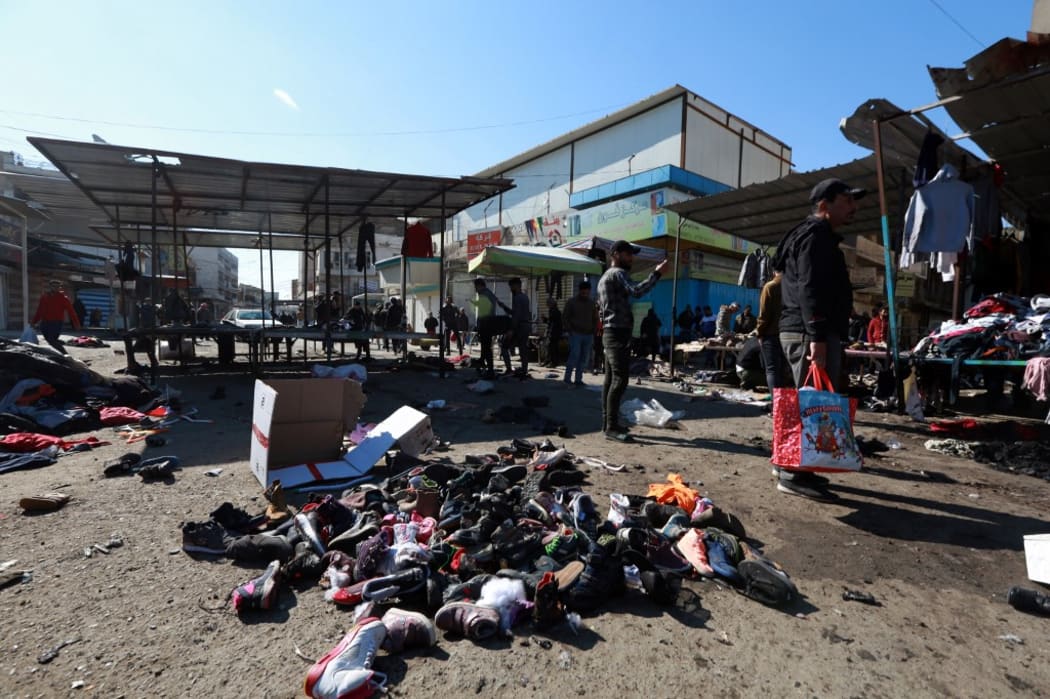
column 618, row 436
column 802, row 488
column 1030, row 601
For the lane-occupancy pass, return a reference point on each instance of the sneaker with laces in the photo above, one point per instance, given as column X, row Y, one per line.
column 470, row 620
column 259, row 593
column 345, row 672
column 406, row 629
column 205, row 537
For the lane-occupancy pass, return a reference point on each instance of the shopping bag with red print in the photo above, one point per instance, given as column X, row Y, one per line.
column 813, row 427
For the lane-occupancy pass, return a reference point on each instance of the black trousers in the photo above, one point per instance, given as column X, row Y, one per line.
column 617, row 344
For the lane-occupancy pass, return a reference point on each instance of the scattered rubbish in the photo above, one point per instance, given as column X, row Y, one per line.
column 52, row 653
column 651, row 413
column 598, row 463
column 575, row 622
column 213, row 472
column 115, row 541
column 77, row 684
column 893, row 443
column 1031, row 601
column 357, row 372
column 45, row 502
column 564, row 660
column 436, row 405
column 974, row 496
column 724, row 639
column 481, row 387
column 541, row 642
column 862, row 597
column 1012, row 638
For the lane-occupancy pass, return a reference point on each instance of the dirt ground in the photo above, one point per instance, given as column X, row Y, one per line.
column 937, row 540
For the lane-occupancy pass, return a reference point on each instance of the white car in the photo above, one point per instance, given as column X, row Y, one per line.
column 251, row 319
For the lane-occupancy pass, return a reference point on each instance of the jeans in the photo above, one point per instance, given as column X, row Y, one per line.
column 485, row 335
column 617, row 343
column 773, row 359
column 51, row 329
column 580, row 347
column 796, row 349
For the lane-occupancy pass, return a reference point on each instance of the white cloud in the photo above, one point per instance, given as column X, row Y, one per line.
column 285, row 98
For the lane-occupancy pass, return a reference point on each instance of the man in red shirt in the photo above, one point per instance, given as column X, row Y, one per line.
column 879, row 327
column 51, row 311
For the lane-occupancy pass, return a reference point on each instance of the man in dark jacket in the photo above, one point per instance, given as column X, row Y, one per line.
column 816, row 292
column 817, row 299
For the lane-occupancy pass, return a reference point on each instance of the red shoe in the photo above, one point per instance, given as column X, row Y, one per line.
column 345, row 672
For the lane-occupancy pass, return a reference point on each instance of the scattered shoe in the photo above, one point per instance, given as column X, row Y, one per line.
column 45, row 502
column 764, row 580
column 205, row 537
column 123, row 466
column 692, row 548
column 345, row 672
column 259, row 594
column 406, row 630
column 806, row 487
column 157, row 469
column 260, row 548
column 305, row 524
column 469, row 620
column 277, row 510
column 547, row 608
column 305, row 566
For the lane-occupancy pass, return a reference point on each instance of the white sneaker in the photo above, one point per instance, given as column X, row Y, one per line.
column 346, row 671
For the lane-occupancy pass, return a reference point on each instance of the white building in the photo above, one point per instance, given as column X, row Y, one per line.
column 216, row 277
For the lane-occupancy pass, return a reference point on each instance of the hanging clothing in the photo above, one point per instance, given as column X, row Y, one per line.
column 940, row 215
column 756, row 270
column 1037, row 377
column 418, row 242
column 926, row 165
column 366, row 235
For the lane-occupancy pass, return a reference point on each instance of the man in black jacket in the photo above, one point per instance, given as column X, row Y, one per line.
column 816, row 290
column 817, row 299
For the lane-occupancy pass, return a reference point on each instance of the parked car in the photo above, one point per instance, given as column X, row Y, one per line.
column 250, row 319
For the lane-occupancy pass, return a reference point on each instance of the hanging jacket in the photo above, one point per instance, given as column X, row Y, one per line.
column 940, row 214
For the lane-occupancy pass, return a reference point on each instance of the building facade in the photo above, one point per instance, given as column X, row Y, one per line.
column 216, row 277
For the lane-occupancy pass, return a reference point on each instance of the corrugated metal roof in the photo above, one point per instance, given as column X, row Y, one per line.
column 1004, row 104
column 213, row 198
column 762, row 213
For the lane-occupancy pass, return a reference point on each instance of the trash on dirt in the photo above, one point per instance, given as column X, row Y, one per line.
column 45, row 502
column 724, row 639
column 77, row 684
column 436, row 404
column 214, row 472
column 115, row 541
column 357, row 372
column 651, row 413
column 52, row 653
column 1012, row 638
column 862, row 597
column 564, row 660
column 481, row 387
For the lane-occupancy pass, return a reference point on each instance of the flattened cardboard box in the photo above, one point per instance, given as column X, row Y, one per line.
column 297, row 423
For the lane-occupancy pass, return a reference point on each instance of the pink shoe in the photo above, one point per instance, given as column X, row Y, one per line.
column 345, row 672
column 692, row 548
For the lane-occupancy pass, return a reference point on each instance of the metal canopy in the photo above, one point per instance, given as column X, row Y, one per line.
column 218, row 200
column 763, row 213
column 1002, row 100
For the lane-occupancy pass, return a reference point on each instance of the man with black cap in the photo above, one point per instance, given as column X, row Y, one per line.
column 615, row 290
column 817, row 299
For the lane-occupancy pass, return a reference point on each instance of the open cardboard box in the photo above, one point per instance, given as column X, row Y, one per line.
column 298, row 427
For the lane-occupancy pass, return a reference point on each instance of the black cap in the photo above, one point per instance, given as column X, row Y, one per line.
column 514, row 280
column 624, row 246
column 828, row 189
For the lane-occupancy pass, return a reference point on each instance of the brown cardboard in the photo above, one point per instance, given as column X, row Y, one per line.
column 300, row 421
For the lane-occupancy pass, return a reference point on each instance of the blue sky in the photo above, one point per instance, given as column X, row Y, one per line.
column 449, row 88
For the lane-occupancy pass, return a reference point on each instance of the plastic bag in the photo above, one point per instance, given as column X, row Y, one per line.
column 29, row 336
column 913, row 399
column 481, row 386
column 650, row 414
column 357, row 372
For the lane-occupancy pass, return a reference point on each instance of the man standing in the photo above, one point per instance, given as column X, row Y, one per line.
column 724, row 322
column 817, row 299
column 768, row 328
column 358, row 322
column 554, row 331
column 651, row 334
column 462, row 327
column 879, row 327
column 485, row 303
column 430, row 324
column 615, row 290
column 521, row 324
column 54, row 306
column 686, row 320
column 745, row 322
column 448, row 316
column 578, row 318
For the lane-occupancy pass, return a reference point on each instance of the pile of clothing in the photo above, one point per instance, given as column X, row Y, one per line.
column 45, row 392
column 1001, row 326
column 477, row 548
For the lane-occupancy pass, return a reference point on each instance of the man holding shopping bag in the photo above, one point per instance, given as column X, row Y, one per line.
column 817, row 299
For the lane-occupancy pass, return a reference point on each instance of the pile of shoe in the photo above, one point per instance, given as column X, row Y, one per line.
column 477, row 547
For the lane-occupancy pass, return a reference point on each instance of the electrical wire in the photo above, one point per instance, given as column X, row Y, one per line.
column 317, row 134
column 957, row 23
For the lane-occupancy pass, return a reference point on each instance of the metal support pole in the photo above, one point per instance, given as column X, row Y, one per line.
column 442, row 330
column 273, row 288
column 891, row 302
column 154, row 260
column 123, row 291
column 327, row 268
column 175, row 249
column 404, row 287
column 306, row 276
column 25, row 272
column 674, row 287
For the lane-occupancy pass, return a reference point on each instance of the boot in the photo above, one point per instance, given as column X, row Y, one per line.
column 277, row 511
